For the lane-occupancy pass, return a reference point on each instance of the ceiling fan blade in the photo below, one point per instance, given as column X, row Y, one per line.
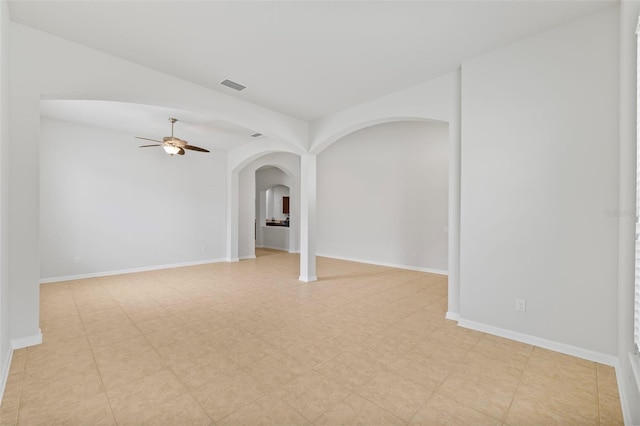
column 181, row 152
column 147, row 139
column 195, row 148
column 146, row 146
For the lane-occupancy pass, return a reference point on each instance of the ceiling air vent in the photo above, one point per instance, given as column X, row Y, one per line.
column 233, row 85
column 256, row 135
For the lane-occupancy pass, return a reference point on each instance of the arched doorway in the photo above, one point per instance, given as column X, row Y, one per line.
column 278, row 173
column 273, row 209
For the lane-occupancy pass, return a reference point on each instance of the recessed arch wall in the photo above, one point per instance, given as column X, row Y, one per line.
column 354, row 127
column 435, row 100
column 390, row 206
column 432, row 100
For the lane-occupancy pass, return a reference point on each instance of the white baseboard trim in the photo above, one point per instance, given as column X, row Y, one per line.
column 14, row 344
column 587, row 354
column 252, row 256
column 308, row 279
column 452, row 316
column 294, row 251
column 390, row 265
column 127, row 271
column 273, row 248
column 634, row 360
column 5, row 373
column 24, row 342
column 232, row 259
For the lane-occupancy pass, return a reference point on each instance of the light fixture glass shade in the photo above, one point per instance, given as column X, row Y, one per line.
column 170, row 149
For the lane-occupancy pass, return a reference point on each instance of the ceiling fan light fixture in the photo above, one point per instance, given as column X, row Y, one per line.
column 170, row 149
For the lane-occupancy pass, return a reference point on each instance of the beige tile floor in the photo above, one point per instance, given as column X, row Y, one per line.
column 248, row 344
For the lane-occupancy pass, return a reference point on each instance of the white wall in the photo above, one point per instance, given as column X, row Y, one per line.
column 275, row 237
column 246, row 213
column 107, row 205
column 5, row 342
column 539, row 170
column 382, row 195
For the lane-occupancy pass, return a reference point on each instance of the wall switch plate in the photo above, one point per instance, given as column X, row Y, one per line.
column 521, row 305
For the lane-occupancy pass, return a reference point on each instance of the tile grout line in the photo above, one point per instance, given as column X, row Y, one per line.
column 506, row 414
column 439, row 384
column 24, row 373
column 162, row 358
column 93, row 355
column 459, row 402
column 598, row 393
column 391, row 372
column 434, row 390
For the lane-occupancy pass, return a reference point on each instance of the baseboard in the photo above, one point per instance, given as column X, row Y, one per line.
column 232, row 259
column 274, row 248
column 14, row 344
column 252, row 256
column 540, row 342
column 622, row 393
column 5, row 373
column 128, row 271
column 624, row 385
column 390, row 265
column 308, row 279
column 24, row 342
column 452, row 316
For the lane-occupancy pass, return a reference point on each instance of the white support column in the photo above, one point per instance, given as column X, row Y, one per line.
column 232, row 216
column 453, row 311
column 308, row 218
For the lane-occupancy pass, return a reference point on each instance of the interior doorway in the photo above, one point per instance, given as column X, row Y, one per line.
column 272, row 209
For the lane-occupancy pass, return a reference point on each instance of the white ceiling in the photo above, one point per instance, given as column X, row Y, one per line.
column 149, row 122
column 303, row 58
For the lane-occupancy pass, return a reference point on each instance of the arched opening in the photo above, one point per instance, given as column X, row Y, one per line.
column 273, row 209
column 262, row 220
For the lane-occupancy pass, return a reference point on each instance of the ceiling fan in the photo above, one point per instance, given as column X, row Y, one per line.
column 171, row 144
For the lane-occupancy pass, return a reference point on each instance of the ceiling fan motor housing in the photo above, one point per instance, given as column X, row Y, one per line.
column 170, row 140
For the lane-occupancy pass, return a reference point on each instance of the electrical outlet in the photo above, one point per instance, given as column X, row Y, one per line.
column 521, row 305
column 204, row 248
column 76, row 259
